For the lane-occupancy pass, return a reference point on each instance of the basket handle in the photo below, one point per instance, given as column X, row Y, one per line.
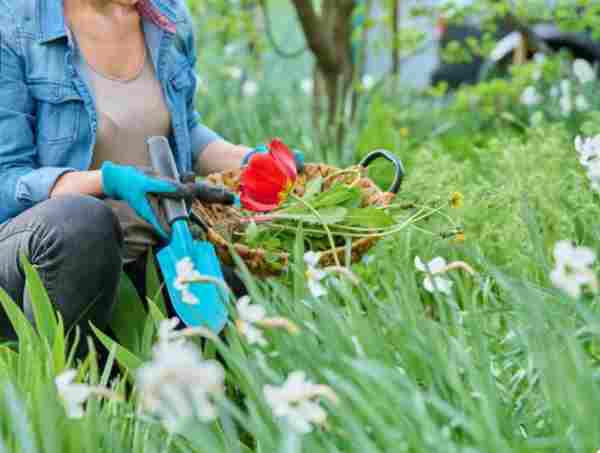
column 398, row 167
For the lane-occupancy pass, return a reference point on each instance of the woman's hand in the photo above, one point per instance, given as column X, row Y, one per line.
column 220, row 156
column 127, row 183
column 78, row 182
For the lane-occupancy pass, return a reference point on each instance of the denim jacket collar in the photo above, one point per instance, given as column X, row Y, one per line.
column 51, row 18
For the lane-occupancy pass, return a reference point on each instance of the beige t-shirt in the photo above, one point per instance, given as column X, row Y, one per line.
column 129, row 111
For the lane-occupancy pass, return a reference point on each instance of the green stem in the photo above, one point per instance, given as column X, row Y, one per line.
column 327, row 230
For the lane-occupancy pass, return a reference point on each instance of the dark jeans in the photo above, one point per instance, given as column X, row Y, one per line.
column 75, row 243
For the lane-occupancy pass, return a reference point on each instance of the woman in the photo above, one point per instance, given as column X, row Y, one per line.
column 82, row 84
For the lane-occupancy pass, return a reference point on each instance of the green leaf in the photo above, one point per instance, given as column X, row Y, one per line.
column 150, row 329
column 298, row 264
column 155, row 312
column 43, row 310
column 327, row 216
column 154, row 285
column 59, row 351
column 19, row 322
column 338, row 195
column 369, row 218
column 123, row 355
column 129, row 316
column 313, row 187
column 252, row 232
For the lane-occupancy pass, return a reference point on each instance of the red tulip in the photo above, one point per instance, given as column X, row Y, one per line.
column 268, row 179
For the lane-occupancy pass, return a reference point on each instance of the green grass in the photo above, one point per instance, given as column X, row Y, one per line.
column 506, row 364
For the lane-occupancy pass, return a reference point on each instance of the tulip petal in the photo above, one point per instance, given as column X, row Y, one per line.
column 268, row 178
column 263, row 179
column 285, row 157
column 252, row 205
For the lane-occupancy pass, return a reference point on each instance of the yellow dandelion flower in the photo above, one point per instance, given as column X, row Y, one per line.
column 404, row 132
column 456, row 200
column 459, row 238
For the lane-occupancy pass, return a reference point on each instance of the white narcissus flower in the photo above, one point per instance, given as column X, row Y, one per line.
column 581, row 103
column 565, row 87
column 307, row 86
column 566, row 100
column 584, row 71
column 314, row 274
column 249, row 316
column 235, row 72
column 530, row 97
column 537, row 118
column 250, row 88
column 588, row 149
column 368, row 81
column 433, row 282
column 230, row 49
column 167, row 332
column 572, row 269
column 253, row 317
column 297, row 402
column 589, row 156
column 178, row 384
column 185, row 274
column 73, row 395
column 566, row 105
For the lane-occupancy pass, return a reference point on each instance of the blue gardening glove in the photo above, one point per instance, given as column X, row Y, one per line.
column 126, row 183
column 298, row 156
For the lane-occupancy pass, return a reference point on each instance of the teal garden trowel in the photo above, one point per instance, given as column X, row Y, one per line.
column 183, row 259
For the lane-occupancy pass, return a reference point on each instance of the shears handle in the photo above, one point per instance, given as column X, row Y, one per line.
column 163, row 164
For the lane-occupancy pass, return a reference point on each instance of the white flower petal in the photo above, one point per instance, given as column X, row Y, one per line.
column 298, row 424
column 438, row 284
column 72, row 395
column 65, row 378
column 312, row 258
column 250, row 88
column 437, row 264
column 311, row 412
column 530, row 97
column 252, row 334
column 581, row 103
column 251, row 313
column 566, row 105
column 307, row 86
column 295, row 402
column 584, row 71
column 419, row 264
column 178, row 383
column 316, row 288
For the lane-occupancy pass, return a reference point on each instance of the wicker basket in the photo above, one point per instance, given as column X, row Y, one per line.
column 222, row 221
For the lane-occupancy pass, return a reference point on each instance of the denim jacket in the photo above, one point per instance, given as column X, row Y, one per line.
column 48, row 118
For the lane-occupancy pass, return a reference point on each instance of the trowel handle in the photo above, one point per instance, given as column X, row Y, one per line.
column 163, row 164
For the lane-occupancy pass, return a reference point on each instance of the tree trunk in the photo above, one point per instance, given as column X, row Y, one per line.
column 395, row 37
column 329, row 37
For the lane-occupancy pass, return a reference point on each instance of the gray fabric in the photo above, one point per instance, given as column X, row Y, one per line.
column 75, row 244
column 128, row 113
column 138, row 235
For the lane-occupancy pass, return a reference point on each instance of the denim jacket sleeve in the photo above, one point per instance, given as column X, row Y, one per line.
column 201, row 136
column 23, row 182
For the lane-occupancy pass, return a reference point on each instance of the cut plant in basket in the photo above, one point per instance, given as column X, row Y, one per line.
column 342, row 212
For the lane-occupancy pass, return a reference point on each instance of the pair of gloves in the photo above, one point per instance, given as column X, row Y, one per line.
column 132, row 185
